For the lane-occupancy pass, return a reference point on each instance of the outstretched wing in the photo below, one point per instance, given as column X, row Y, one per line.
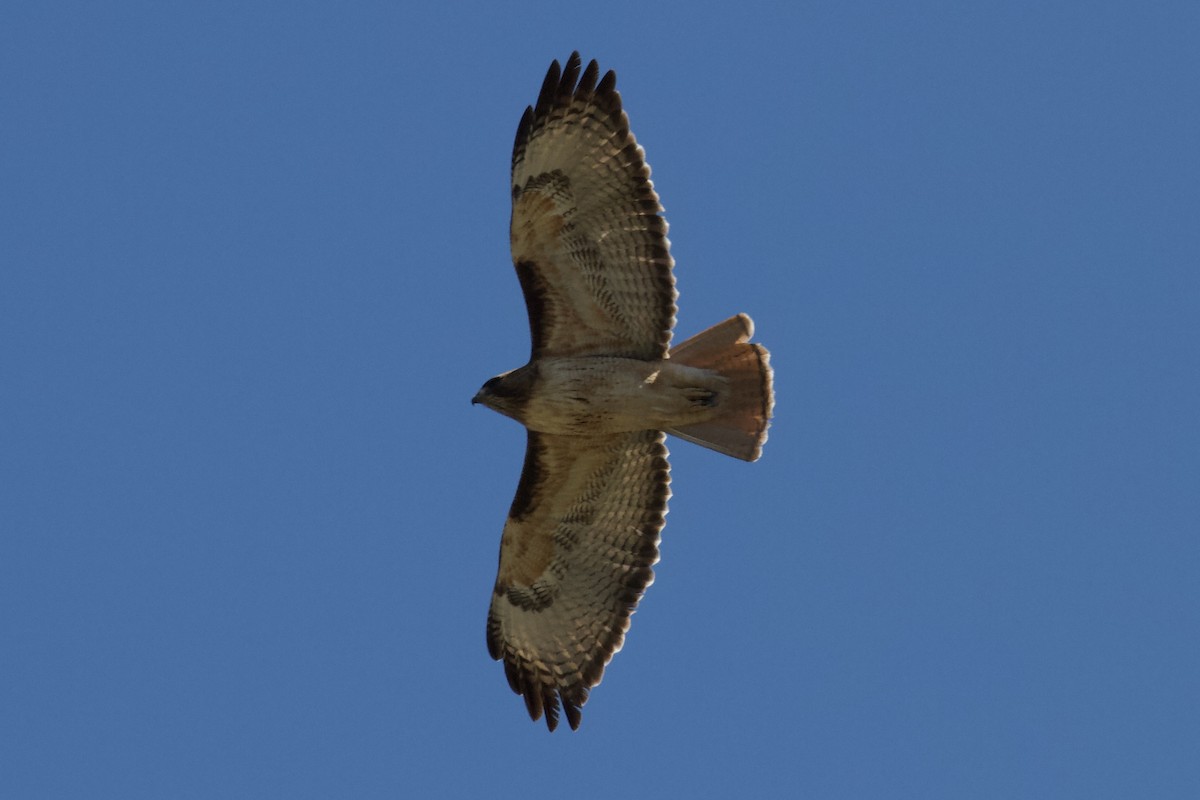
column 588, row 240
column 575, row 558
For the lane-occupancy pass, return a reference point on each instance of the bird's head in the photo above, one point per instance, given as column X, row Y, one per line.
column 508, row 392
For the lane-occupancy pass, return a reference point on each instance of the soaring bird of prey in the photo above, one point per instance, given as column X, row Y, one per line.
column 600, row 391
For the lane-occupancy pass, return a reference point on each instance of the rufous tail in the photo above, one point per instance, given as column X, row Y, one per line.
column 741, row 428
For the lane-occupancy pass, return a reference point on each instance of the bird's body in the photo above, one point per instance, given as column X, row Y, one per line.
column 600, row 391
column 589, row 395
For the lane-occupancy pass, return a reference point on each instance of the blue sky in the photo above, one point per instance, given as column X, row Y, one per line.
column 253, row 266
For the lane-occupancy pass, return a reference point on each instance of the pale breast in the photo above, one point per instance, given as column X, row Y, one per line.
column 603, row 394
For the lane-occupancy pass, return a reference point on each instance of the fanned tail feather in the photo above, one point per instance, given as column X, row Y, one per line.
column 741, row 429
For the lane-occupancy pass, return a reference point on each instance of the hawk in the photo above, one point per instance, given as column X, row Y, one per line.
column 600, row 391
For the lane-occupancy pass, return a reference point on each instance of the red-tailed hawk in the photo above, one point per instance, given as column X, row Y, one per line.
column 600, row 389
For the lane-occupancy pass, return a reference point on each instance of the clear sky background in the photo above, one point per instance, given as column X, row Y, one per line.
column 254, row 264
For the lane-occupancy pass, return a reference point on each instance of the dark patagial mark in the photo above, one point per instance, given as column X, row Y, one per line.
column 531, row 479
column 536, row 302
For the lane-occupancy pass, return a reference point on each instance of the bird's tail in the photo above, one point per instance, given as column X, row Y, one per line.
column 725, row 348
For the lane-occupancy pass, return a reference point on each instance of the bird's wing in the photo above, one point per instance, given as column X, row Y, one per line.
column 575, row 558
column 588, row 239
